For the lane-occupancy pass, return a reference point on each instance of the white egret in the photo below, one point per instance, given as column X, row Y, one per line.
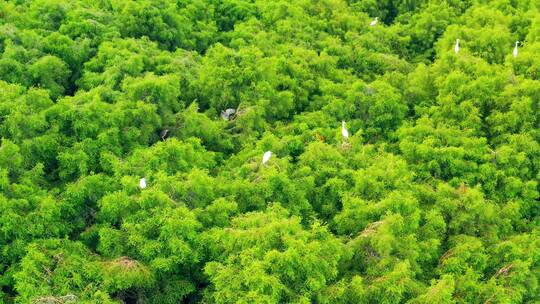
column 142, row 183
column 344, row 131
column 456, row 48
column 515, row 53
column 374, row 22
column 266, row 157
column 164, row 133
column 226, row 115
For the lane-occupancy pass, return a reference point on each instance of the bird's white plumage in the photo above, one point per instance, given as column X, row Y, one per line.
column 227, row 114
column 164, row 133
column 142, row 183
column 515, row 53
column 374, row 22
column 344, row 131
column 266, row 157
column 456, row 47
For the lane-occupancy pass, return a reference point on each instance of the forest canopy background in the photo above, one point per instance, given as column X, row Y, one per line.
column 433, row 198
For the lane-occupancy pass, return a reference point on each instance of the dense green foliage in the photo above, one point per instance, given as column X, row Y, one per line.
column 434, row 197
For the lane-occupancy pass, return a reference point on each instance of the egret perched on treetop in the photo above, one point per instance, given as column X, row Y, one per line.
column 456, row 48
column 164, row 133
column 344, row 131
column 266, row 157
column 515, row 53
column 142, row 183
column 374, row 21
column 226, row 115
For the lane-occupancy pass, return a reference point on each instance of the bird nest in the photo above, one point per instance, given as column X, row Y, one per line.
column 125, row 263
column 371, row 228
column 70, row 298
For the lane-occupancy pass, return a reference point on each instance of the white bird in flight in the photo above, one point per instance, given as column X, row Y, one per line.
column 374, row 22
column 142, row 183
column 344, row 131
column 266, row 157
column 456, row 48
column 515, row 53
